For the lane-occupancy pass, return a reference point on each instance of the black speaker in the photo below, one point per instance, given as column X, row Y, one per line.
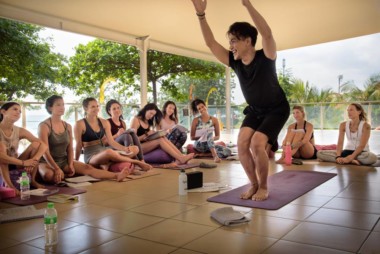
column 194, row 180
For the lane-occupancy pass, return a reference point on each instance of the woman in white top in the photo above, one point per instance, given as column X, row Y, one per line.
column 168, row 123
column 357, row 132
column 10, row 136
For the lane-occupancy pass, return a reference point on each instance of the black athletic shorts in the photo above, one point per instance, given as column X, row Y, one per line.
column 269, row 121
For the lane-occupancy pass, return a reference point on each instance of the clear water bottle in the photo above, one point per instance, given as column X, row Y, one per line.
column 51, row 226
column 288, row 154
column 24, row 186
column 182, row 183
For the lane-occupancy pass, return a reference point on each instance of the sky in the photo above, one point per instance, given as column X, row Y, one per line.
column 355, row 59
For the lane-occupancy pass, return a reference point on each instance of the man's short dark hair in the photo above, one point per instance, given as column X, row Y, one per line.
column 243, row 30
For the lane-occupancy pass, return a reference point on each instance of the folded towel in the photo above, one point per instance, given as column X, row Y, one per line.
column 228, row 217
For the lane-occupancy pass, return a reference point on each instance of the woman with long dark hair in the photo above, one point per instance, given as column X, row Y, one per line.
column 145, row 123
column 10, row 136
column 169, row 123
column 357, row 132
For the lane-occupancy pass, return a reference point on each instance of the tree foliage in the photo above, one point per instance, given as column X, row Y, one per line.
column 100, row 60
column 27, row 64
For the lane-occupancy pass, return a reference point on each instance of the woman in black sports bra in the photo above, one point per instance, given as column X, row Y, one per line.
column 58, row 161
column 300, row 135
column 89, row 133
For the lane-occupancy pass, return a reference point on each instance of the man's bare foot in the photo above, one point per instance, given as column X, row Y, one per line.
column 356, row 162
column 249, row 193
column 123, row 174
column 217, row 159
column 185, row 158
column 260, row 195
column 280, row 161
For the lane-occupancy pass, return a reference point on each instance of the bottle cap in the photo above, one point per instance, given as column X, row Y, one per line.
column 183, row 171
column 50, row 205
column 23, row 174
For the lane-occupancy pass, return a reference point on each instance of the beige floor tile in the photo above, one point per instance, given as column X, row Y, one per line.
column 124, row 202
column 354, row 205
column 163, row 209
column 29, row 229
column 98, row 195
column 124, row 222
column 377, row 227
column 173, row 232
column 86, row 213
column 184, row 251
column 199, row 215
column 226, row 242
column 192, row 198
column 6, row 242
column 366, row 191
column 23, row 248
column 344, row 218
column 329, row 236
column 266, row 226
column 127, row 244
column 311, row 199
column 293, row 212
column 77, row 239
column 285, row 247
column 372, row 244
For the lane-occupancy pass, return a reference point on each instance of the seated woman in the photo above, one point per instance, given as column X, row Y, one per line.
column 119, row 128
column 300, row 136
column 170, row 120
column 89, row 133
column 58, row 161
column 206, row 125
column 357, row 131
column 10, row 136
column 147, row 118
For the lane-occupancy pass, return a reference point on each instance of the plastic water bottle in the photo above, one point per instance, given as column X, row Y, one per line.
column 24, row 186
column 288, row 154
column 182, row 183
column 51, row 226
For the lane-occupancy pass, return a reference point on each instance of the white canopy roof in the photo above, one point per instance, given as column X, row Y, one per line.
column 173, row 26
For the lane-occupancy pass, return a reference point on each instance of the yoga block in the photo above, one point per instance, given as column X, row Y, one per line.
column 194, row 180
column 7, row 193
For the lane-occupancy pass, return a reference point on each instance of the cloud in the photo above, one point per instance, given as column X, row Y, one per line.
column 356, row 59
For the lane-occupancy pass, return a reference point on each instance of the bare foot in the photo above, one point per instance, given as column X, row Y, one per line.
column 145, row 166
column 123, row 174
column 184, row 159
column 280, row 161
column 217, row 159
column 260, row 195
column 356, row 162
column 249, row 193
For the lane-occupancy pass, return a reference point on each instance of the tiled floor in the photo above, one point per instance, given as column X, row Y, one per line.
column 147, row 216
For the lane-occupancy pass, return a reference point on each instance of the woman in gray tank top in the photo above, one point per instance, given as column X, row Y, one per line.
column 58, row 161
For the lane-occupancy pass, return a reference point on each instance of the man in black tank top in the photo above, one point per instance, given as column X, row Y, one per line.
column 268, row 108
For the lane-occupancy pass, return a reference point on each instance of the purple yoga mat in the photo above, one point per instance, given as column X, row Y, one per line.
column 284, row 187
column 39, row 199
